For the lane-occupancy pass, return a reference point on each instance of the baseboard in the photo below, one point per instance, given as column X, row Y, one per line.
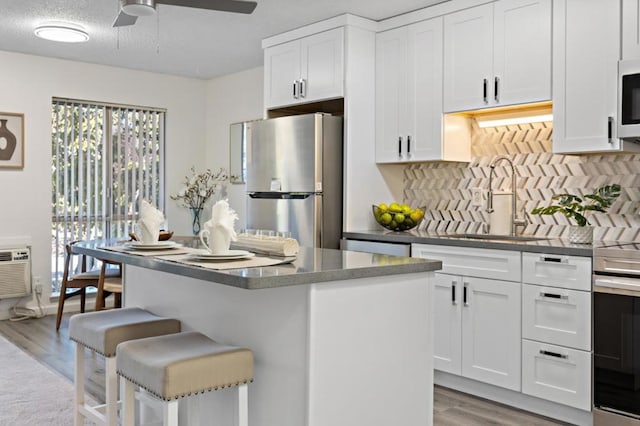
column 514, row 399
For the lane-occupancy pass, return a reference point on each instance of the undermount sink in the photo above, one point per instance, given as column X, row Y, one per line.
column 497, row 237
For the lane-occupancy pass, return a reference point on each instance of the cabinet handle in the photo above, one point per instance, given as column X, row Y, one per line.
column 409, row 146
column 465, row 302
column 453, row 292
column 496, row 82
column 550, row 259
column 400, row 147
column 610, row 129
column 484, row 91
column 303, row 88
column 295, row 89
column 553, row 354
column 554, row 295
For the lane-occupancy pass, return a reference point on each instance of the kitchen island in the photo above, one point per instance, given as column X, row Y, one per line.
column 339, row 338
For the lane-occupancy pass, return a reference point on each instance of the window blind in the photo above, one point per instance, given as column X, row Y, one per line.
column 105, row 160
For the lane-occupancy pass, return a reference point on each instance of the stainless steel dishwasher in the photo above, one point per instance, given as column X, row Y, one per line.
column 395, row 249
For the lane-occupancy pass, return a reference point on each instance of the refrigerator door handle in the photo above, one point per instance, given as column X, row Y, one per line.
column 280, row 195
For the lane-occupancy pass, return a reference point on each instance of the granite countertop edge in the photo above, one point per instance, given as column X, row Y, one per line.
column 549, row 246
column 240, row 277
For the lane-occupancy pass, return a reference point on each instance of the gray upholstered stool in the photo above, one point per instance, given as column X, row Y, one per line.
column 102, row 332
column 178, row 365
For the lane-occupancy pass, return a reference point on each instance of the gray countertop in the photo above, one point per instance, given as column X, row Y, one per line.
column 550, row 246
column 311, row 266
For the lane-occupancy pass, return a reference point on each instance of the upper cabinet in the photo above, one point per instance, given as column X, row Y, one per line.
column 409, row 119
column 497, row 54
column 630, row 29
column 585, row 75
column 305, row 70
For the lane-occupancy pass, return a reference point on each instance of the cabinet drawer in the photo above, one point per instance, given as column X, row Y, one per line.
column 557, row 316
column 557, row 271
column 473, row 262
column 557, row 374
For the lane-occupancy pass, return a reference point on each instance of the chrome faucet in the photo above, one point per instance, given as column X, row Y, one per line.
column 515, row 222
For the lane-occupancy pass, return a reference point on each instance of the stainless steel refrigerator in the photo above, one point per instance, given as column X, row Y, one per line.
column 294, row 178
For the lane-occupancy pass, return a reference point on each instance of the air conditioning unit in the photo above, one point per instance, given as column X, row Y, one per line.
column 15, row 272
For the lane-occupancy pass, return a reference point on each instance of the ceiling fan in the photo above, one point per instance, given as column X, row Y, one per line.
column 131, row 9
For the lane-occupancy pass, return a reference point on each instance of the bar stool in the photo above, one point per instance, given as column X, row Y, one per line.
column 178, row 365
column 101, row 332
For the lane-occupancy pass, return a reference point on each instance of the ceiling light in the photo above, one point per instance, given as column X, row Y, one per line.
column 138, row 7
column 515, row 120
column 63, row 32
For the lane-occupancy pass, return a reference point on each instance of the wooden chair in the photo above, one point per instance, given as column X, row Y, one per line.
column 77, row 281
column 109, row 284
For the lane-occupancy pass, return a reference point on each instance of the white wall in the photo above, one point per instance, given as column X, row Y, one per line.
column 29, row 83
column 231, row 99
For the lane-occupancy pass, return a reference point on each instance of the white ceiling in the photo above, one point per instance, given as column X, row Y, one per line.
column 177, row 40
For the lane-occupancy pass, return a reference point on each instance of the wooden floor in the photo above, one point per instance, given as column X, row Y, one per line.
column 39, row 338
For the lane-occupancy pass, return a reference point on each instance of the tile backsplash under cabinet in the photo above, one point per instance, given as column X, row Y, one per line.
column 445, row 188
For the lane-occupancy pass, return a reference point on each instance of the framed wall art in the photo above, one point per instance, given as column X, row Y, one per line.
column 11, row 140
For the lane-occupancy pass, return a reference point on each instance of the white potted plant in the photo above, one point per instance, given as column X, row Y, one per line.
column 577, row 208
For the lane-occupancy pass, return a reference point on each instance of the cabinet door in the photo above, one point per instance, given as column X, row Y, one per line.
column 424, row 96
column 522, row 52
column 391, row 94
column 468, row 58
column 322, row 65
column 630, row 29
column 557, row 315
column 447, row 302
column 281, row 70
column 585, row 61
column 491, row 332
column 556, row 373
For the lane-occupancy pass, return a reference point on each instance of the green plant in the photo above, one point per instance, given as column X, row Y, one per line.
column 577, row 208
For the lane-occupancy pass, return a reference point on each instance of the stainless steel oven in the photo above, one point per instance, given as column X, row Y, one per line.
column 616, row 335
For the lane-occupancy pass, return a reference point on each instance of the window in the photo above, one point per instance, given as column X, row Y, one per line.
column 105, row 160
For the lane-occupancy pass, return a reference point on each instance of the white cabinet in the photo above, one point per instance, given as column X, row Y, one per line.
column 447, row 315
column 557, row 315
column 585, row 74
column 409, row 120
column 477, row 317
column 630, row 29
column 557, row 374
column 556, row 328
column 491, row 332
column 497, row 54
column 304, row 70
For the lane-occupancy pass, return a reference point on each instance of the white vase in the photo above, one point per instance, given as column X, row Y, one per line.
column 581, row 234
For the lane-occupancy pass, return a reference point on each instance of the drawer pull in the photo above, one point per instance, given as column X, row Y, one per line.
column 553, row 259
column 554, row 295
column 553, row 354
column 453, row 292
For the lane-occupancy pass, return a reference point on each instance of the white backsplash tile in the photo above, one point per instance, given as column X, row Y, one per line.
column 445, row 188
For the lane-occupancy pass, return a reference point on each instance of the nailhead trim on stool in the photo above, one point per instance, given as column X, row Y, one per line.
column 101, row 332
column 178, row 365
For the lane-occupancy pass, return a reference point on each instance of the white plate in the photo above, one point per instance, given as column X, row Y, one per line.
column 160, row 245
column 229, row 255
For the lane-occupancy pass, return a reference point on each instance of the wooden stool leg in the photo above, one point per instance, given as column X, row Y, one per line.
column 243, row 405
column 78, row 377
column 111, row 391
column 128, row 404
column 193, row 409
column 170, row 414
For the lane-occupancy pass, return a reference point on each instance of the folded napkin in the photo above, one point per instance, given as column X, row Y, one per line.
column 218, row 231
column 267, row 245
column 151, row 220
